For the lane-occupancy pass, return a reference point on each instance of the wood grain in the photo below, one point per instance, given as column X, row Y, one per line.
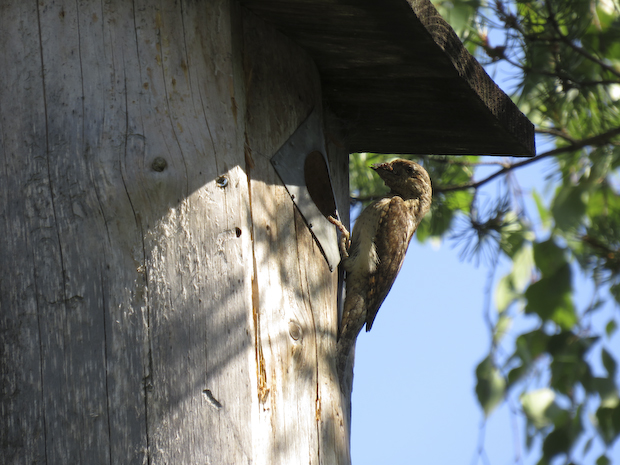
column 130, row 292
column 161, row 299
column 297, row 293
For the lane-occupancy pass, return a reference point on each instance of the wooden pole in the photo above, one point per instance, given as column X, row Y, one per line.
column 161, row 298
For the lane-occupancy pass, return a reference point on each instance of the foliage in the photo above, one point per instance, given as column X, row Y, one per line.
column 566, row 55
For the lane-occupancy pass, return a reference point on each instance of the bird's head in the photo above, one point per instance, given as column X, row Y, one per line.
column 406, row 178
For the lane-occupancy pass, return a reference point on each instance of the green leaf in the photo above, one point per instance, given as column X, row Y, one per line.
column 505, row 293
column 516, row 374
column 540, row 408
column 513, row 284
column 501, row 328
column 611, row 327
column 458, row 13
column 608, row 420
column 531, row 345
column 557, row 442
column 522, row 265
column 568, row 207
column 603, row 460
column 587, row 446
column 513, row 234
column 569, row 366
column 424, row 230
column 439, row 218
column 564, row 436
column 600, row 202
column 459, row 200
column 543, row 212
column 550, row 297
column 569, row 344
column 607, row 391
column 490, row 387
column 541, row 299
column 614, row 290
column 564, row 315
column 609, row 363
column 549, row 257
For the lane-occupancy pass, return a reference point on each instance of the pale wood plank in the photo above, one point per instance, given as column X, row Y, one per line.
column 296, row 303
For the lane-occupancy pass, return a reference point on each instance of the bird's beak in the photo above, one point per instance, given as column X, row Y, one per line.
column 385, row 171
column 382, row 167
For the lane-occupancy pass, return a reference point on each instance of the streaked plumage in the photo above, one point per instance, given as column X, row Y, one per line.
column 379, row 241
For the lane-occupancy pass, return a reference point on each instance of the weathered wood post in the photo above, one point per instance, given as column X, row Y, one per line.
column 164, row 295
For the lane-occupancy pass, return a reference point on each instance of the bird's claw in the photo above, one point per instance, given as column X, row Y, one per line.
column 345, row 238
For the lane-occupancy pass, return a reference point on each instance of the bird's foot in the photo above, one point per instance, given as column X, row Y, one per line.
column 345, row 238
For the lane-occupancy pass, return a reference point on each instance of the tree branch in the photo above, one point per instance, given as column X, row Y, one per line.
column 582, row 51
column 511, row 22
column 559, row 75
column 599, row 139
column 556, row 133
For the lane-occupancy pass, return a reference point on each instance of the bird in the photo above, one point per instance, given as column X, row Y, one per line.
column 373, row 254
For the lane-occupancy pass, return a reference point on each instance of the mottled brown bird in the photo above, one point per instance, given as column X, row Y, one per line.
column 376, row 252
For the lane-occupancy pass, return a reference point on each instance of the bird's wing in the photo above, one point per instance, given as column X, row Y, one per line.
column 391, row 241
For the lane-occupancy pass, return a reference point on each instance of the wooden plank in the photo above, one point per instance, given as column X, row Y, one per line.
column 295, row 293
column 196, row 233
column 125, row 320
column 397, row 72
column 67, row 254
column 279, row 98
column 25, row 221
column 107, row 56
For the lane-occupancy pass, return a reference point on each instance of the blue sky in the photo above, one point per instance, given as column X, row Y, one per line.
column 413, row 398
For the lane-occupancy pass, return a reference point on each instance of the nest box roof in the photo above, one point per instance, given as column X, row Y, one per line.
column 400, row 75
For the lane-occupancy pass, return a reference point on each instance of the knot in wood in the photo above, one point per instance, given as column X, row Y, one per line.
column 159, row 164
column 294, row 329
